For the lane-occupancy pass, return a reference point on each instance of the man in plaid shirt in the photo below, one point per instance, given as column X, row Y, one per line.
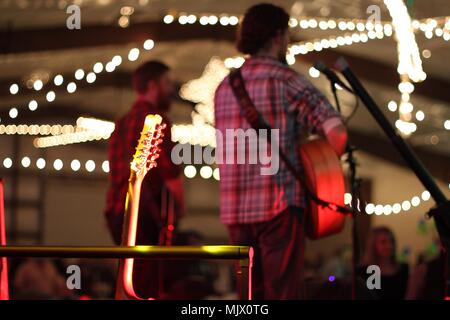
column 265, row 211
column 154, row 90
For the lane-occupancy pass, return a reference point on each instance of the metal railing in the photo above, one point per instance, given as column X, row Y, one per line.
column 240, row 253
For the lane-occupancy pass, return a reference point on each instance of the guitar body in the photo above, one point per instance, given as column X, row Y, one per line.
column 325, row 177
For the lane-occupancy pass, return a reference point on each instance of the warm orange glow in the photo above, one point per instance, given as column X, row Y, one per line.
column 4, row 294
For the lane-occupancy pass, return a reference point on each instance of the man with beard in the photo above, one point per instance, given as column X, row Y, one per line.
column 154, row 90
column 266, row 211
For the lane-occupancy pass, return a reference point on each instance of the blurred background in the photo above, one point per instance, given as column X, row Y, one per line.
column 61, row 89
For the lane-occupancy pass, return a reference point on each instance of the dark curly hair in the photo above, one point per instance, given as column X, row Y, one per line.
column 261, row 23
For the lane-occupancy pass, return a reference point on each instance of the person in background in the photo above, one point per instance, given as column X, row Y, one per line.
column 154, row 90
column 381, row 251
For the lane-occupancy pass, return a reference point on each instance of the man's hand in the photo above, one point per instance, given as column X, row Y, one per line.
column 336, row 134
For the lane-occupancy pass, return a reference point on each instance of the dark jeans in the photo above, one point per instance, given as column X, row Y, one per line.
column 279, row 254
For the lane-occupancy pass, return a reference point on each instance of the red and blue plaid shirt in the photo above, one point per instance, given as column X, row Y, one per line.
column 122, row 145
column 288, row 102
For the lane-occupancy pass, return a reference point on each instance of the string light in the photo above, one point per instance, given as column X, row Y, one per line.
column 71, row 87
column 14, row 88
column 58, row 80
column 58, row 164
column 133, row 55
column 105, row 166
column 7, row 163
column 98, row 67
column 51, row 96
column 75, row 165
column 206, row 172
column 190, row 171
column 40, row 163
column 35, row 129
column 90, row 165
column 25, row 162
column 38, row 84
column 387, row 209
column 91, row 77
column 33, row 105
column 79, row 74
column 13, row 112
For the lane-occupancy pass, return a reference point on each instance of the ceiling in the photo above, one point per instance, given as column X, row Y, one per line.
column 40, row 24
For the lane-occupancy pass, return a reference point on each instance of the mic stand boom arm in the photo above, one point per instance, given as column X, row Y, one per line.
column 441, row 213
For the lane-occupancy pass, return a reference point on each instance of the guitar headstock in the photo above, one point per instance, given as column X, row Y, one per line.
column 147, row 150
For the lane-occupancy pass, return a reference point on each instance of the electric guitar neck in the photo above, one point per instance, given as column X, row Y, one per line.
column 144, row 159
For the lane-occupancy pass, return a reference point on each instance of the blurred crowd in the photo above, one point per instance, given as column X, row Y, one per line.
column 327, row 277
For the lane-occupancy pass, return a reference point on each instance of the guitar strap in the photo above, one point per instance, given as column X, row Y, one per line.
column 256, row 121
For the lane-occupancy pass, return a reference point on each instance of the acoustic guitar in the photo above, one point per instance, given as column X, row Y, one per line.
column 325, row 178
column 144, row 159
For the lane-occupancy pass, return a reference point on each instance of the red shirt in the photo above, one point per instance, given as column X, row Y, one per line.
column 122, row 146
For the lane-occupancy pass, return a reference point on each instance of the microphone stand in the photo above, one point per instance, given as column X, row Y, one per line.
column 440, row 213
column 355, row 192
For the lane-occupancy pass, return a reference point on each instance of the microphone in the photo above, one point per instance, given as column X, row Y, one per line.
column 331, row 75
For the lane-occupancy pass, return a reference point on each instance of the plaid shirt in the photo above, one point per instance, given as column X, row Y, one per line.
column 122, row 146
column 288, row 102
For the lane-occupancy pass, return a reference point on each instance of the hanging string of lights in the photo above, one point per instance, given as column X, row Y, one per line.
column 387, row 209
column 89, row 76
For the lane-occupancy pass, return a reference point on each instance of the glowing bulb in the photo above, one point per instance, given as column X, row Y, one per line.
column 392, row 106
column 7, row 163
column 415, row 201
column 387, row 209
column 206, row 172
column 234, row 20
column 313, row 72
column 71, row 87
column 420, row 115
column 213, row 20
column 105, row 166
column 90, row 165
column 117, row 60
column 110, row 67
column 406, row 205
column 98, row 67
column 14, row 88
column 426, row 195
column 58, row 80
column 79, row 74
column 33, row 105
column 190, row 171
column 13, row 113
column 26, row 162
column 149, row 44
column 40, row 163
column 37, row 85
column 447, row 124
column 133, row 55
column 75, row 165
column 58, row 164
column 379, row 209
column 91, row 77
column 50, row 96
column 396, row 208
column 168, row 19
column 216, row 174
